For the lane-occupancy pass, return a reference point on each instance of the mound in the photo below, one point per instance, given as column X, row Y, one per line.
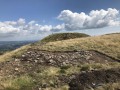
column 63, row 36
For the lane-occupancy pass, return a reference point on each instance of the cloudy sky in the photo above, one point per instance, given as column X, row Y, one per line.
column 35, row 19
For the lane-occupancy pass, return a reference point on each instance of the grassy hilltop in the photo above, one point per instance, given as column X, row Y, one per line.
column 63, row 36
column 108, row 44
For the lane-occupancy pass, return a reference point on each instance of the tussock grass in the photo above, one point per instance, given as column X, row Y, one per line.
column 50, row 71
column 108, row 44
column 48, row 75
column 20, row 83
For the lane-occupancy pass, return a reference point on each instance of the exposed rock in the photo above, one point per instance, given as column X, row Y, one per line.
column 63, row 58
column 16, row 69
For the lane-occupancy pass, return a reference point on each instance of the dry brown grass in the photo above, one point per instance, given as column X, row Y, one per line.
column 108, row 44
column 109, row 86
column 14, row 53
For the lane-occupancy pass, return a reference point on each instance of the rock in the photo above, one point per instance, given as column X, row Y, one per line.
column 51, row 61
column 36, row 61
column 39, row 89
column 16, row 60
column 44, row 85
column 87, row 57
column 23, row 56
column 28, row 52
column 16, row 69
column 38, row 58
column 64, row 63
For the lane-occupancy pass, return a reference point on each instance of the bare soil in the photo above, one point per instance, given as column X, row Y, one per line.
column 94, row 79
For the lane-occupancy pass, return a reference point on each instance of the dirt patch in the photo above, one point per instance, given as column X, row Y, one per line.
column 93, row 79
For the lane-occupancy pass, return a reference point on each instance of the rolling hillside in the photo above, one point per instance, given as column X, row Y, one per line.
column 108, row 44
column 55, row 63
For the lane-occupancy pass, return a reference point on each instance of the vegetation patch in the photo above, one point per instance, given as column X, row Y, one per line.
column 20, row 83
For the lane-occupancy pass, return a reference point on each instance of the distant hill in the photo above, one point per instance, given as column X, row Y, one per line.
column 6, row 46
column 63, row 36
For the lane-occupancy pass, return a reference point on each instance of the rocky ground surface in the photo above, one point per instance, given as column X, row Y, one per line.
column 33, row 59
column 64, row 58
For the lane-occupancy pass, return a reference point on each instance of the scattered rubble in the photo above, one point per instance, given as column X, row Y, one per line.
column 30, row 61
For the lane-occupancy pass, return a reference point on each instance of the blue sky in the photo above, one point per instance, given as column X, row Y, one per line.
column 34, row 19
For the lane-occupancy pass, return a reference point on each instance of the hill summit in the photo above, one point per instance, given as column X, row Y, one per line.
column 63, row 36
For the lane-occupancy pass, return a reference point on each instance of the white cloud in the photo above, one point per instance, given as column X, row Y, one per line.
column 95, row 19
column 20, row 27
column 71, row 21
column 21, row 21
column 7, row 28
column 58, row 28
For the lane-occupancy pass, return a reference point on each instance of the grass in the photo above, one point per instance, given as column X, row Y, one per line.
column 109, row 86
column 15, row 53
column 51, row 38
column 108, row 44
column 48, row 75
column 20, row 83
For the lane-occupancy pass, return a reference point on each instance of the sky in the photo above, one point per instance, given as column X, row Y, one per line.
column 35, row 19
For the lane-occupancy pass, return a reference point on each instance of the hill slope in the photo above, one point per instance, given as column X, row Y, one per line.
column 108, row 44
column 57, row 65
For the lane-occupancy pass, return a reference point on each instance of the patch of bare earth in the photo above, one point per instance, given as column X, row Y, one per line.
column 94, row 79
